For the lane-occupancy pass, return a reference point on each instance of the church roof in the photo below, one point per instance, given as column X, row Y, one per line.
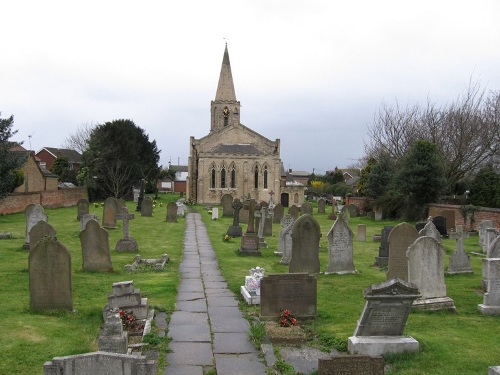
column 225, row 89
column 237, row 149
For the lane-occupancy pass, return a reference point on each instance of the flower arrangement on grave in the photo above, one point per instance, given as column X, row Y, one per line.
column 286, row 318
column 129, row 321
column 252, row 282
column 226, row 238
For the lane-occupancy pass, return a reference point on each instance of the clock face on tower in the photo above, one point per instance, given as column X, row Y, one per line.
column 225, row 112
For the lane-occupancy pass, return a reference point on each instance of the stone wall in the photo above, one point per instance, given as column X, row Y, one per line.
column 483, row 213
column 48, row 199
column 363, row 203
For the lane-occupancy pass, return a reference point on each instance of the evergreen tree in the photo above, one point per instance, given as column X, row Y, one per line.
column 485, row 189
column 11, row 175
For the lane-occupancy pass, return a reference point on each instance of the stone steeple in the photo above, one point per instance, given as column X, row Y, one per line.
column 225, row 109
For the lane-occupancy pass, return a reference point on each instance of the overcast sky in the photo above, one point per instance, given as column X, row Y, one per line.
column 311, row 73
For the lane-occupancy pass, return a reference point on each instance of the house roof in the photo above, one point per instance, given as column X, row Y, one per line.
column 72, row 155
column 237, row 149
column 25, row 154
column 180, row 168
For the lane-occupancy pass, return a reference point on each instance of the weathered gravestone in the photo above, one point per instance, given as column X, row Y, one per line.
column 306, row 233
column 147, row 206
column 490, row 236
column 285, row 240
column 380, row 328
column 483, row 225
column 227, row 205
column 285, row 221
column 171, row 212
column 50, row 276
column 235, row 230
column 296, row 292
column 39, row 231
column 353, row 210
column 264, row 218
column 110, row 212
column 124, row 296
column 127, row 243
column 351, row 364
column 491, row 299
column 121, row 203
column 400, row 237
column 279, row 212
column 306, row 208
column 33, row 213
column 493, row 253
column 82, row 208
column 340, row 248
column 430, row 230
column 250, row 239
column 459, row 260
column 333, row 215
column 494, row 249
column 346, row 213
column 294, row 212
column 383, row 251
column 85, row 219
column 361, row 235
column 440, row 223
column 113, row 338
column 321, row 205
column 95, row 248
column 426, row 270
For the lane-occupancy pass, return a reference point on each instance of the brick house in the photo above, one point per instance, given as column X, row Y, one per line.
column 48, row 155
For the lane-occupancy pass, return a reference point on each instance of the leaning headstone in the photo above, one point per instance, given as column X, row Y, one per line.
column 430, row 230
column 380, row 328
column 82, row 208
column 215, row 213
column 491, row 299
column 147, row 206
column 340, row 248
column 306, row 208
column 95, row 248
column 296, row 292
column 440, row 223
column 361, row 235
column 426, row 270
column 40, row 230
column 459, row 260
column 50, row 276
column 306, row 233
column 109, row 213
column 279, row 212
column 34, row 213
column 85, row 219
column 127, row 243
column 383, row 250
column 235, row 230
column 400, row 237
column 227, row 205
column 351, row 364
column 171, row 212
column 294, row 212
column 321, row 206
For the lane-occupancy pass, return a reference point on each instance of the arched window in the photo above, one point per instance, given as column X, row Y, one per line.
column 212, row 178
column 296, row 198
column 223, row 178
column 265, row 177
column 225, row 114
column 233, row 178
column 256, row 178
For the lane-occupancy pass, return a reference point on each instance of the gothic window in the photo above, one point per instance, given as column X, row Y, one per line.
column 212, row 178
column 265, row 177
column 296, row 198
column 223, row 178
column 256, row 177
column 233, row 178
column 225, row 113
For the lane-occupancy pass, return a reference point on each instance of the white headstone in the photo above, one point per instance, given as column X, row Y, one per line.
column 215, row 213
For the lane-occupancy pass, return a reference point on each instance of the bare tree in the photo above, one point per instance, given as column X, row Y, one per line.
column 114, row 178
column 79, row 141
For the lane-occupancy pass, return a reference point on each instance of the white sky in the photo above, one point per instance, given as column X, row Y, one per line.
column 311, row 73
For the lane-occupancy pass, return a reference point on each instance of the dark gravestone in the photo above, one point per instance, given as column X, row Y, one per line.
column 141, row 197
column 401, row 236
column 306, row 208
column 449, row 215
column 353, row 210
column 110, row 212
column 383, row 251
column 235, row 230
column 351, row 365
column 172, row 212
column 50, row 276
column 40, row 230
column 321, row 206
column 147, row 207
column 227, row 205
column 294, row 212
column 296, row 292
column 95, row 248
column 82, row 208
column 34, row 213
column 279, row 212
column 306, row 233
column 440, row 223
column 250, row 239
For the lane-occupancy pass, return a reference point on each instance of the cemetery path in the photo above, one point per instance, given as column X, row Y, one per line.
column 207, row 329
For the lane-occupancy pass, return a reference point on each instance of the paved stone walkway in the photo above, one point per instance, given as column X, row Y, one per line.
column 208, row 329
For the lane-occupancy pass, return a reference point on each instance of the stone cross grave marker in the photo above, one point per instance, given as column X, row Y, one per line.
column 285, row 221
column 383, row 250
column 85, row 219
column 39, row 231
column 95, row 248
column 33, row 213
column 306, row 233
column 50, row 276
column 171, row 212
column 483, row 225
column 147, row 206
column 321, row 205
column 227, row 205
column 127, row 244
column 110, row 212
column 82, row 208
column 264, row 215
column 459, row 260
column 400, row 237
column 340, row 248
column 235, row 230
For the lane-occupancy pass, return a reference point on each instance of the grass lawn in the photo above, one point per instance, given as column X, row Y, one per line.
column 462, row 343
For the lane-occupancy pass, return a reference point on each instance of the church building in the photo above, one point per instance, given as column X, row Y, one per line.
column 233, row 159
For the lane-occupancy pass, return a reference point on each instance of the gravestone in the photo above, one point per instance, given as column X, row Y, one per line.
column 264, row 215
column 361, row 235
column 95, row 248
column 400, row 237
column 250, row 239
column 494, row 249
column 109, row 213
column 383, row 251
column 483, row 225
column 147, row 206
column 459, row 260
column 491, row 299
column 296, row 292
column 33, row 213
column 321, row 206
column 378, row 213
column 353, row 210
column 138, row 208
column 346, row 213
column 40, row 230
column 430, row 230
column 351, row 364
column 227, row 205
column 121, row 203
column 340, row 248
column 181, row 207
column 426, row 270
column 279, row 212
column 440, row 223
column 171, row 212
column 235, row 230
column 449, row 215
column 82, row 208
column 306, row 233
column 251, row 290
column 380, row 328
column 50, row 276
column 85, row 219
column 215, row 213
column 285, row 222
column 333, row 215
column 127, row 243
column 490, row 236
column 306, row 208
column 124, row 296
column 294, row 212
column 113, row 338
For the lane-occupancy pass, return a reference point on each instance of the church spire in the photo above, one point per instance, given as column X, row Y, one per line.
column 225, row 109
